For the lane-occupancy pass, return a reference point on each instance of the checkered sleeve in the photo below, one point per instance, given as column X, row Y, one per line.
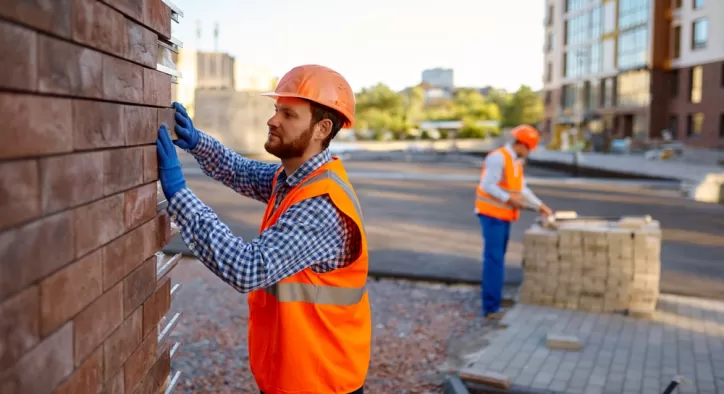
column 250, row 178
column 312, row 233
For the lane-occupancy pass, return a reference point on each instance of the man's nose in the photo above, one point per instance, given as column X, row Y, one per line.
column 273, row 121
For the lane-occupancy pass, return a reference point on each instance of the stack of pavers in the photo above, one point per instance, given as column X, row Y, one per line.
column 594, row 265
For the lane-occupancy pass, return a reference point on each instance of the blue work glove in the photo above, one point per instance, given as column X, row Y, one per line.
column 188, row 136
column 169, row 167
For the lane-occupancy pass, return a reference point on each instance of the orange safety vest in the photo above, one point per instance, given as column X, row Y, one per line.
column 312, row 332
column 511, row 182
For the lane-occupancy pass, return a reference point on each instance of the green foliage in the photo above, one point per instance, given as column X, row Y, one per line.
column 380, row 110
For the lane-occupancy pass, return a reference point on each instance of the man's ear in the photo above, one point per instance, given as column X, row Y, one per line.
column 322, row 129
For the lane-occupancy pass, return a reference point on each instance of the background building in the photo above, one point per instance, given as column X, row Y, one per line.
column 222, row 96
column 439, row 78
column 633, row 68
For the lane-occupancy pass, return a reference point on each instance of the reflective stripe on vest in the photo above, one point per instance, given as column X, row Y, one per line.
column 315, row 294
column 329, row 174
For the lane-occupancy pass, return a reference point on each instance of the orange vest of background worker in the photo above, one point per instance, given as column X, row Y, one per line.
column 500, row 196
column 511, row 182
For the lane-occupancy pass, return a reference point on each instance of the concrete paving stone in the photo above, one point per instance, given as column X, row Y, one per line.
column 594, row 389
column 525, row 379
column 596, row 380
column 543, row 378
column 558, row 385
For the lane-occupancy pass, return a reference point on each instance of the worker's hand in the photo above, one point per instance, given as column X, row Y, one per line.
column 545, row 210
column 188, row 136
column 516, row 202
column 169, row 167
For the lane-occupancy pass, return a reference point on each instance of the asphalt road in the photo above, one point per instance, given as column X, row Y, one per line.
column 420, row 221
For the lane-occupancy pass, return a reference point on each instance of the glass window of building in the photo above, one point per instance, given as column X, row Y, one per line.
column 674, row 83
column 700, row 27
column 721, row 125
column 633, row 89
column 694, row 124
column 608, row 92
column 573, row 5
column 596, row 22
column 698, row 4
column 577, row 29
column 633, row 48
column 632, row 13
column 677, row 42
column 595, row 58
column 696, row 80
column 594, row 93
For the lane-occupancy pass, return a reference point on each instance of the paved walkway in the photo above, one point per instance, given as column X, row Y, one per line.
column 619, row 354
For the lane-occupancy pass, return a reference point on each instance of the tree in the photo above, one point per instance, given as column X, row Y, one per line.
column 524, row 107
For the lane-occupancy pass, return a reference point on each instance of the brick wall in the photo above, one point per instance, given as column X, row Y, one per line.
column 83, row 292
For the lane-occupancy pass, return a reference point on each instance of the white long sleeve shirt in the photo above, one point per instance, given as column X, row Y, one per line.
column 494, row 167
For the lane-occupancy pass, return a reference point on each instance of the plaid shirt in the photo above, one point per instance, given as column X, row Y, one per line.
column 312, row 233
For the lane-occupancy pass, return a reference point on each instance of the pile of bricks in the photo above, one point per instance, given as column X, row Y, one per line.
column 83, row 293
column 596, row 266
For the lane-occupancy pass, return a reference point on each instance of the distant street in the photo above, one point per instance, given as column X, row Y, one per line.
column 425, row 226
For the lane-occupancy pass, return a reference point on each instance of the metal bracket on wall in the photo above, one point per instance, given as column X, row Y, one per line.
column 175, row 10
column 172, row 383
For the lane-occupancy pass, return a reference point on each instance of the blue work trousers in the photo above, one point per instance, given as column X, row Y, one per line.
column 495, row 238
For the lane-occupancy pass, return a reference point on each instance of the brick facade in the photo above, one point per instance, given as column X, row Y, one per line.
column 82, row 290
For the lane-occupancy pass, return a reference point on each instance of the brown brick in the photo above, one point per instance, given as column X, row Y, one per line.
column 41, row 370
column 150, row 164
column 151, row 239
column 69, row 69
column 142, row 44
column 157, row 375
column 35, row 125
column 97, row 25
column 119, row 346
column 69, row 290
column 156, row 306
column 140, row 361
column 122, row 256
column 158, row 17
column 49, row 16
column 140, row 124
column 97, row 125
column 96, row 322
column 140, row 205
column 167, row 116
column 123, row 169
column 122, row 80
column 98, row 223
column 19, row 326
column 19, row 192
column 88, row 379
column 18, row 57
column 131, row 8
column 156, row 88
column 23, row 260
column 164, row 230
column 139, row 285
column 115, row 385
column 70, row 180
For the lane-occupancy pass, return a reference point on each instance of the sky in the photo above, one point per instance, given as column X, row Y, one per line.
column 486, row 42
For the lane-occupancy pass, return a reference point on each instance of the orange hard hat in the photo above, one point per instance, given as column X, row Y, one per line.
column 321, row 85
column 527, row 135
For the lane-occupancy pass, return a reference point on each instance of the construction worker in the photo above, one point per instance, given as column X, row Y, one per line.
column 309, row 312
column 501, row 194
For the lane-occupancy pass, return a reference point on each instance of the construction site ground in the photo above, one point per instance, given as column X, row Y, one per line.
column 420, row 330
column 420, row 222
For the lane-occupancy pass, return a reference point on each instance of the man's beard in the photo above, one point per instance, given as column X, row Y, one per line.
column 288, row 150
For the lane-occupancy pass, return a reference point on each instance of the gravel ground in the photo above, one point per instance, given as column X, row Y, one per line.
column 419, row 330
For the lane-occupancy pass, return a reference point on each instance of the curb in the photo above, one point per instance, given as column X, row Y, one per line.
column 510, row 279
column 453, row 385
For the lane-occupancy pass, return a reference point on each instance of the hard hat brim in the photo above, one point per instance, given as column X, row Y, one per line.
column 347, row 121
